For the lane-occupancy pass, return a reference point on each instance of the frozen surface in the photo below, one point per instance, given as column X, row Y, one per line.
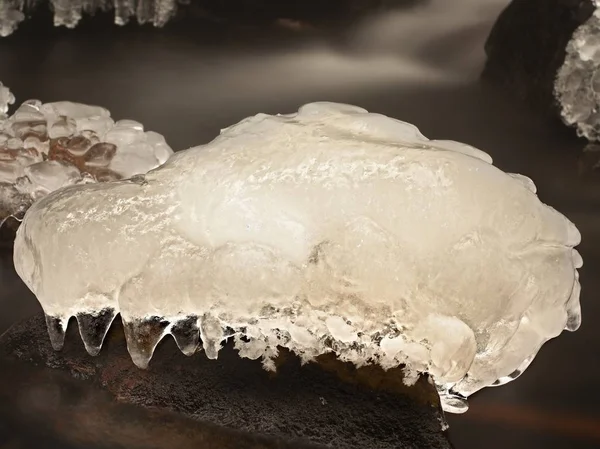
column 68, row 13
column 577, row 85
column 46, row 146
column 329, row 230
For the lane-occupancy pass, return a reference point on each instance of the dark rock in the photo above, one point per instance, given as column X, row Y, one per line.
column 69, row 399
column 527, row 47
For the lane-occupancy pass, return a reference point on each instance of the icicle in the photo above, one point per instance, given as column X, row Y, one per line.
column 91, row 6
column 211, row 333
column 57, row 326
column 124, row 9
column 187, row 335
column 67, row 12
column 142, row 338
column 145, row 11
column 164, row 10
column 94, row 327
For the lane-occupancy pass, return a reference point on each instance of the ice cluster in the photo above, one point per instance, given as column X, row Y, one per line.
column 68, row 13
column 44, row 147
column 577, row 86
column 327, row 230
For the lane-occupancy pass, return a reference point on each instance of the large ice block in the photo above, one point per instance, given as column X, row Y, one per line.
column 328, row 230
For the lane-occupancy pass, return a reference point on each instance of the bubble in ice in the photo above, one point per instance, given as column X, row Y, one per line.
column 47, row 146
column 330, row 230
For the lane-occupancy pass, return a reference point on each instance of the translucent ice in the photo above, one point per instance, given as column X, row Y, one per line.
column 577, row 86
column 44, row 147
column 329, row 230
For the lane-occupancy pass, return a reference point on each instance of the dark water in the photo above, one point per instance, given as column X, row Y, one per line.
column 188, row 81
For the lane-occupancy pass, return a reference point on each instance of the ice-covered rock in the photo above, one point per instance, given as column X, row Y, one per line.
column 548, row 52
column 328, row 230
column 577, row 86
column 44, row 147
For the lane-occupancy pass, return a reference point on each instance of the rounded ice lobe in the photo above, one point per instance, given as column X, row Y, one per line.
column 329, row 230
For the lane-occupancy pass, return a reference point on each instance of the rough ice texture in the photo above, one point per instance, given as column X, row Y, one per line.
column 329, row 230
column 44, row 147
column 577, row 86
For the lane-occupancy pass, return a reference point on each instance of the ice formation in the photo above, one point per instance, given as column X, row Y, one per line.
column 328, row 230
column 68, row 13
column 577, row 86
column 44, row 147
column 6, row 99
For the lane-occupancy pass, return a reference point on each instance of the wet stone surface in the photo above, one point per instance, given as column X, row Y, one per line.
column 70, row 399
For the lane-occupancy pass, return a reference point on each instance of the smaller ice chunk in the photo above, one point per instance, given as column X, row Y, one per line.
column 47, row 146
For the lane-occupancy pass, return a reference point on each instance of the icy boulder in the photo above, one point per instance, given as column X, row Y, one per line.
column 44, row 147
column 548, row 52
column 331, row 230
column 577, row 86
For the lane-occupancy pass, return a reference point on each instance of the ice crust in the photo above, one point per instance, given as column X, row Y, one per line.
column 329, row 230
column 68, row 13
column 46, row 146
column 577, row 86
